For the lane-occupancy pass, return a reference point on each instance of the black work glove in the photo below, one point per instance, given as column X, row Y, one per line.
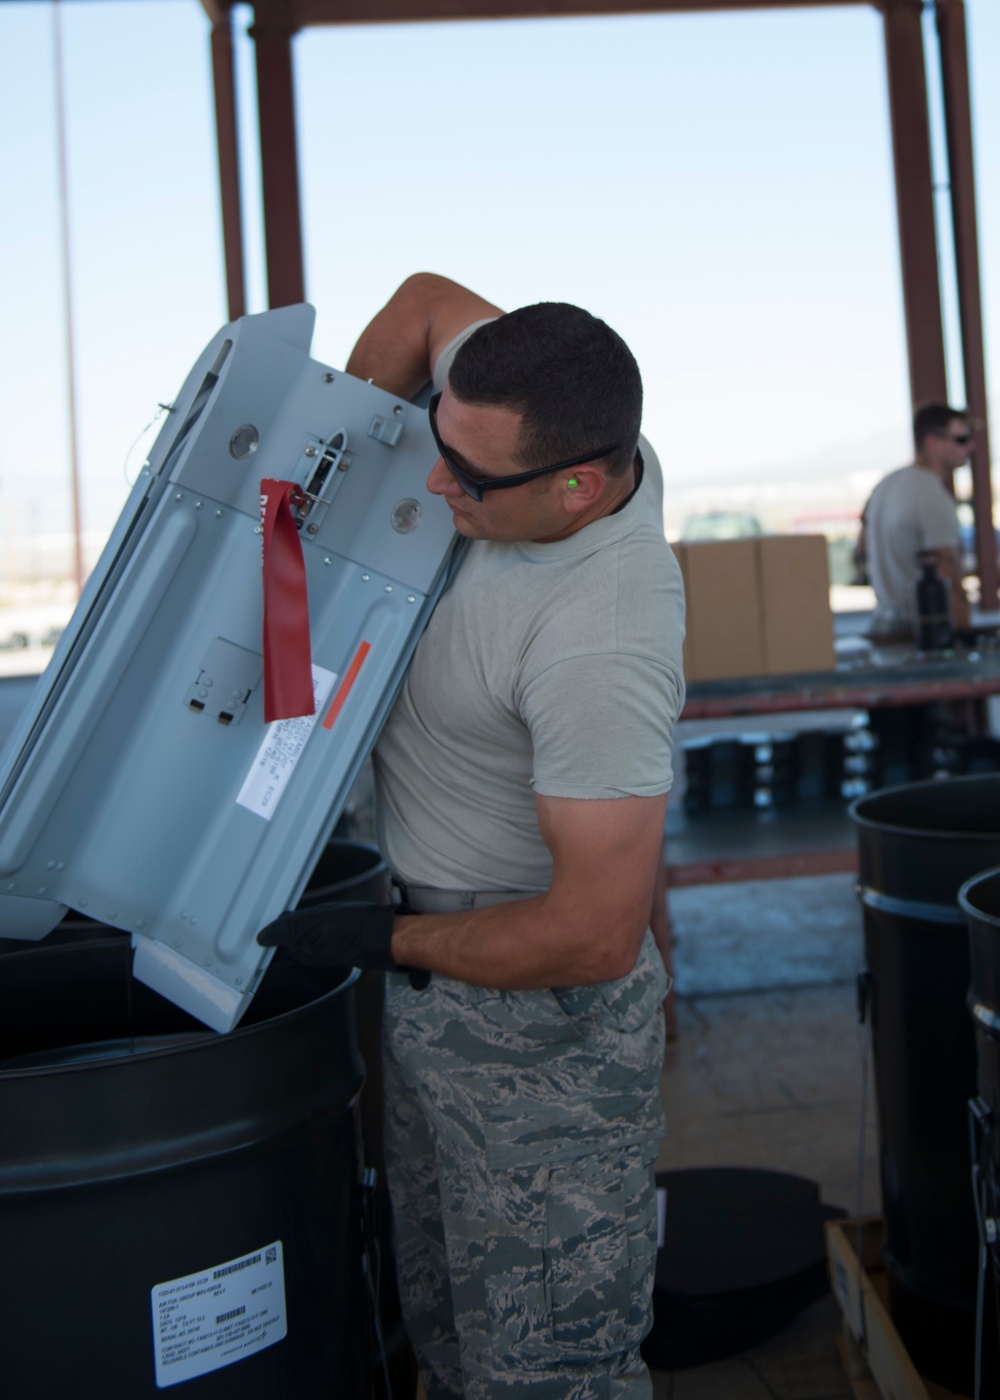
column 340, row 935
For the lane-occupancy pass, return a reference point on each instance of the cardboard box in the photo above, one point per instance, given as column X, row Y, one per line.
column 724, row 637
column 794, row 582
column 874, row 1357
column 756, row 607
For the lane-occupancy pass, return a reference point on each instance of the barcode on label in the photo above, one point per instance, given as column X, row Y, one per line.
column 235, row 1268
column 228, row 1316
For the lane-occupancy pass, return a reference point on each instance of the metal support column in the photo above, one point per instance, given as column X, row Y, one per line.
column 224, row 82
column 279, row 160
column 958, row 128
column 911, row 147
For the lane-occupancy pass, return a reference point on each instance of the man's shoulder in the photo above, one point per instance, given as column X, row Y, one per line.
column 898, row 486
column 898, row 477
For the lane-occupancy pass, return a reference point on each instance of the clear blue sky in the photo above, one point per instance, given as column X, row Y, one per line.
column 718, row 187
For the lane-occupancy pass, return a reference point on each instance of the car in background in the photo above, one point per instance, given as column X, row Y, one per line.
column 721, row 525
column 14, row 641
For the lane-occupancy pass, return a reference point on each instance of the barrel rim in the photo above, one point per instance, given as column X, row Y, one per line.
column 145, row 1056
column 930, row 833
column 965, row 891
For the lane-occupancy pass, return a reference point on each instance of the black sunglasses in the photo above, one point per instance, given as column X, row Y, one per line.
column 474, row 486
column 962, row 438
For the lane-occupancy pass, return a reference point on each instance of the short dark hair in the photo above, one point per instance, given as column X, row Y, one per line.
column 931, row 418
column 572, row 377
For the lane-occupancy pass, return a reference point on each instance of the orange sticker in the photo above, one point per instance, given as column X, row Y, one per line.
column 344, row 689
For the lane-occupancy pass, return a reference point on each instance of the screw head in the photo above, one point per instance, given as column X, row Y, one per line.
column 328, row 378
column 310, row 451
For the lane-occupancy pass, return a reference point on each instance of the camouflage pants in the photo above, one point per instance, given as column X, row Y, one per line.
column 520, row 1134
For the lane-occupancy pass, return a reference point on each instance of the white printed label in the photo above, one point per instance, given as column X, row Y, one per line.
column 277, row 756
column 218, row 1316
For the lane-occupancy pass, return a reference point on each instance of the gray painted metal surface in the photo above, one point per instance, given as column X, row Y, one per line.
column 141, row 785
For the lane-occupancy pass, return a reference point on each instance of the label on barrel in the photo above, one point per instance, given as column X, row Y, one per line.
column 219, row 1315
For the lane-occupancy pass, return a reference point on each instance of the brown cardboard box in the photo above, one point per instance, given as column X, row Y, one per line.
column 690, row 670
column 724, row 638
column 794, row 580
column 756, row 607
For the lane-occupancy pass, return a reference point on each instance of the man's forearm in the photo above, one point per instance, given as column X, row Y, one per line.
column 523, row 944
column 399, row 347
column 393, row 348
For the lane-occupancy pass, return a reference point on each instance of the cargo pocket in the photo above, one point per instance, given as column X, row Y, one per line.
column 569, row 1271
column 600, row 1252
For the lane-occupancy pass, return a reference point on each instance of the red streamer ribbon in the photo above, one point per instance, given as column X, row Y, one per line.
column 288, row 683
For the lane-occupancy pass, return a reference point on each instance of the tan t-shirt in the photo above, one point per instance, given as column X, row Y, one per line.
column 550, row 668
column 908, row 511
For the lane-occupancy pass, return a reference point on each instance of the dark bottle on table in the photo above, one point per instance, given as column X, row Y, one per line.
column 934, row 627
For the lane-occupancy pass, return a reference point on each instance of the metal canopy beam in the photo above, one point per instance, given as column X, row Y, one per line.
column 958, row 126
column 301, row 13
column 224, row 82
column 911, row 146
column 279, row 158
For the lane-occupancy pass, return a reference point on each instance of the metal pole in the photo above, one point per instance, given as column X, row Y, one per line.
column 958, row 128
column 279, row 163
column 63, row 182
column 224, row 83
column 911, row 148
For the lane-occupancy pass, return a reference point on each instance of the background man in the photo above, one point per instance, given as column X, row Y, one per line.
column 912, row 510
column 521, row 783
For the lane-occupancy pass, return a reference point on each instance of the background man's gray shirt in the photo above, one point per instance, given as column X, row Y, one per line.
column 908, row 511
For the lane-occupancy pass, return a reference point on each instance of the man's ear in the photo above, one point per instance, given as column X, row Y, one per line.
column 582, row 488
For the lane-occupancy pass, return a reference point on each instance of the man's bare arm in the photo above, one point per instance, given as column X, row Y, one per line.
column 587, row 928
column 399, row 347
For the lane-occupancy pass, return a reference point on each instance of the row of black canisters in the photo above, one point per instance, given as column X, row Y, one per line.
column 895, row 746
column 761, row 771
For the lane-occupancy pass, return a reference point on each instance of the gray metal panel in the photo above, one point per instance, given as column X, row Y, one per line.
column 132, row 791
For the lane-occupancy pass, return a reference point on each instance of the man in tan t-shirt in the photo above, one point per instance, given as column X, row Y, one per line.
column 912, row 512
column 521, row 785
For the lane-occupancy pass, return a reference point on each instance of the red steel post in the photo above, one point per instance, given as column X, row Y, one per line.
column 958, row 128
column 911, row 147
column 279, row 162
column 224, row 82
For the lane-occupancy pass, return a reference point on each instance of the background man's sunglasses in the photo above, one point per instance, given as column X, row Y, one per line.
column 474, row 486
column 963, row 438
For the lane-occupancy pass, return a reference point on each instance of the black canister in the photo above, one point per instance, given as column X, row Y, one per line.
column 176, row 1205
column 917, row 845
column 934, row 626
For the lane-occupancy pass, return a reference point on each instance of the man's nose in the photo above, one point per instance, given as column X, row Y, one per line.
column 439, row 478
